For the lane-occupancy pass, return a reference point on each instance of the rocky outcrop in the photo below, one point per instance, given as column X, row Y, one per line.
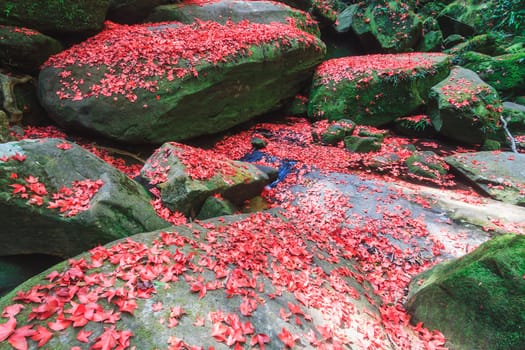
column 375, row 89
column 186, row 177
column 58, row 199
column 500, row 175
column 464, row 108
column 24, row 50
column 55, row 17
column 169, row 82
column 477, row 301
column 222, row 11
column 386, row 26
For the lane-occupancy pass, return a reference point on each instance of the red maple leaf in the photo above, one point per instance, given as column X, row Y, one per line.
column 42, row 335
column 260, row 339
column 12, row 310
column 7, row 328
column 287, row 338
column 83, row 336
column 107, row 340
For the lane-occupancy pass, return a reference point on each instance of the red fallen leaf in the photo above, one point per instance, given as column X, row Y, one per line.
column 199, row 321
column 59, row 324
column 177, row 312
column 220, row 332
column 260, row 339
column 64, row 146
column 287, row 338
column 19, row 157
column 18, row 188
column 107, row 340
column 157, row 306
column 83, row 336
column 200, row 287
column 248, row 306
column 295, row 309
column 18, row 338
column 42, row 336
column 12, row 310
column 7, row 328
column 128, row 306
column 285, row 315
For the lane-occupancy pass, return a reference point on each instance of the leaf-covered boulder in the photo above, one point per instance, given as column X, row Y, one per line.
column 386, row 26
column 426, row 165
column 186, row 177
column 501, row 175
column 505, row 73
column 24, row 50
column 464, row 108
column 56, row 17
column 58, row 199
column 167, row 82
column 477, row 301
column 375, row 89
column 222, row 11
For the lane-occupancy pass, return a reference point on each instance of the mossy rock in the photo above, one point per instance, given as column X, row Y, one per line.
column 491, row 44
column 191, row 285
column 464, row 108
column 24, row 50
column 215, row 77
column 214, row 206
column 477, row 301
column 376, row 89
column 416, row 126
column 500, row 175
column 514, row 115
column 332, row 133
column 359, row 144
column 55, row 17
column 387, row 26
column 186, row 177
column 58, row 199
column 506, row 73
column 222, row 11
column 426, row 165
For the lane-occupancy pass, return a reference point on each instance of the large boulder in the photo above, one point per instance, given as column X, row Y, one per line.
column 505, row 73
column 55, row 17
column 222, row 11
column 375, row 89
column 464, row 108
column 501, row 175
column 386, row 26
column 24, row 49
column 168, row 82
column 58, row 199
column 467, row 17
column 477, row 301
column 131, row 11
column 186, row 177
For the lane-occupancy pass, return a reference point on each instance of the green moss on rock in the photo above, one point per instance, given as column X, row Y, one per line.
column 477, row 301
column 376, row 89
column 55, row 16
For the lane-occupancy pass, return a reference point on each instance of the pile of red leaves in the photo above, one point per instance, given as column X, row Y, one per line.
column 148, row 53
column 364, row 67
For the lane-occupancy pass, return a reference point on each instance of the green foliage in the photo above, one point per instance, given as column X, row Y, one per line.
column 509, row 16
